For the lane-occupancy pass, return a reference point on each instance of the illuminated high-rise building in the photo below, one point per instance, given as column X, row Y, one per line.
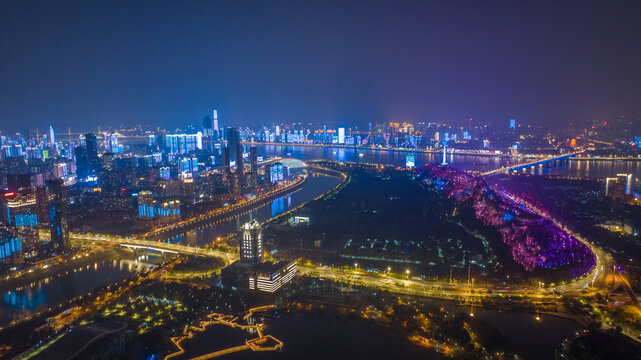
column 10, row 246
column 58, row 196
column 21, row 214
column 207, row 126
column 253, row 159
column 184, row 143
column 276, row 172
column 52, row 136
column 215, row 123
column 226, row 161
column 619, row 187
column 235, row 149
column 513, row 124
column 251, row 243
column 341, row 135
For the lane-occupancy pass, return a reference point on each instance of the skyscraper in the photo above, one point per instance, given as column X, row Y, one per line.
column 226, row 161
column 341, row 135
column 251, row 243
column 513, row 124
column 10, row 246
column 22, row 216
column 619, row 187
column 253, row 159
column 215, row 123
column 92, row 146
column 58, row 196
column 207, row 126
column 235, row 149
column 87, row 161
column 52, row 137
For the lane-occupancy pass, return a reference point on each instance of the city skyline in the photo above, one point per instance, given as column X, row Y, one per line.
column 358, row 179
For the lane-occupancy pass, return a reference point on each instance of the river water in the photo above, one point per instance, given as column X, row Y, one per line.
column 576, row 168
column 56, row 288
column 317, row 184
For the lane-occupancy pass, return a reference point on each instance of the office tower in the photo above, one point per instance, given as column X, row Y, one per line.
column 42, row 205
column 513, row 124
column 165, row 173
column 82, row 165
column 91, row 143
column 235, row 184
column 146, row 206
column 235, row 149
column 215, row 122
column 253, row 159
column 276, row 172
column 619, row 187
column 251, row 243
column 207, row 126
column 444, row 151
column 324, row 133
column 21, row 214
column 226, row 161
column 341, row 135
column 184, row 143
column 10, row 246
column 87, row 161
column 52, row 137
column 268, row 176
column 58, row 197
column 208, row 133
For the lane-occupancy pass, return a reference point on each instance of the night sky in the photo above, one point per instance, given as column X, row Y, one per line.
column 168, row 63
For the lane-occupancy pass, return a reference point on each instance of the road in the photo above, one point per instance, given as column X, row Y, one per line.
column 155, row 245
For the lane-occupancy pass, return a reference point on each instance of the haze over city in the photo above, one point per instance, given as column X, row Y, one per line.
column 86, row 64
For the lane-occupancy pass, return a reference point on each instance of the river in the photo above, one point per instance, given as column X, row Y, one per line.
column 317, row 184
column 57, row 287
column 576, row 168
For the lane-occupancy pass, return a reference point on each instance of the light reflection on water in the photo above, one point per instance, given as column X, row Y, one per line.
column 317, row 184
column 61, row 287
column 583, row 168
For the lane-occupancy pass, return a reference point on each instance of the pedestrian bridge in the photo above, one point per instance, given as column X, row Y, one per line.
column 544, row 162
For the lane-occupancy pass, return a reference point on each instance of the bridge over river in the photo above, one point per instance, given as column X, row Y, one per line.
column 538, row 162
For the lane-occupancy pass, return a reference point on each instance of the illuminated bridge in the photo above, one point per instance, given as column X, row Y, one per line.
column 540, row 163
column 158, row 246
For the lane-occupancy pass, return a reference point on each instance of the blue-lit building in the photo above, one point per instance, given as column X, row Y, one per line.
column 58, row 207
column 153, row 213
column 276, row 172
column 10, row 247
column 21, row 216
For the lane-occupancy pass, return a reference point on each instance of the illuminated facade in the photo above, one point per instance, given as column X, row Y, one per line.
column 10, row 247
column 276, row 172
column 152, row 213
column 58, row 203
column 251, row 243
column 21, row 215
column 251, row 272
column 184, row 143
column 341, row 135
column 270, row 277
column 619, row 187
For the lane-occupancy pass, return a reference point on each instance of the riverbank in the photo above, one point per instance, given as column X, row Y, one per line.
column 403, row 150
column 229, row 211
